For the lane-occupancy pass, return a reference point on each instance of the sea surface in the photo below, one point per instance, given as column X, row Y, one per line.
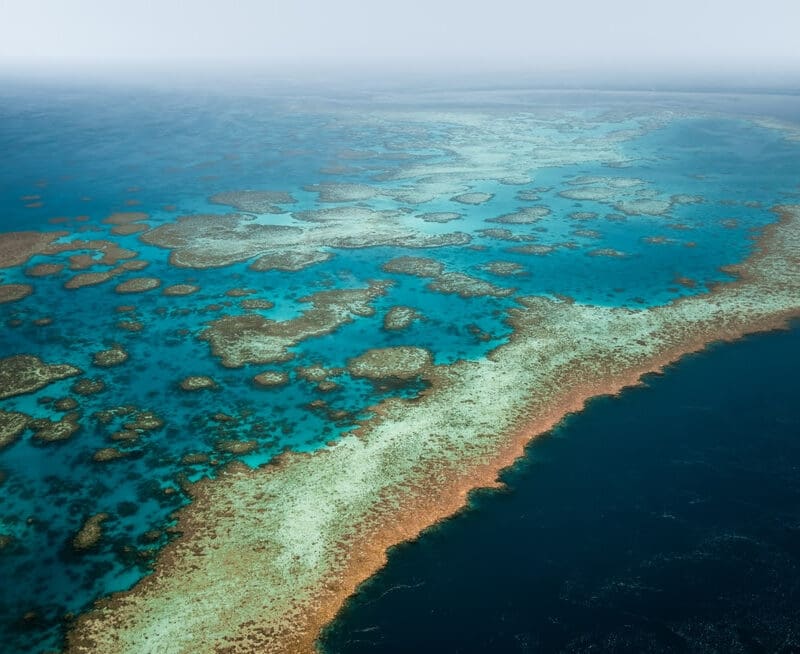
column 665, row 519
column 623, row 507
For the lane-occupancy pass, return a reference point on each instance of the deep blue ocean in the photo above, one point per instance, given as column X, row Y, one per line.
column 665, row 519
column 603, row 515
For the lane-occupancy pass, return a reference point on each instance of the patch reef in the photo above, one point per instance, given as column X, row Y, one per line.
column 267, row 556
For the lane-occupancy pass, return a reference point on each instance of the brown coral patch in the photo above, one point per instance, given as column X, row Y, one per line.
column 125, row 218
column 256, row 303
column 236, row 447
column 440, row 216
column 44, row 269
column 251, row 338
column 289, row 261
column 113, row 356
column 197, row 383
column 128, row 230
column 138, row 285
column 503, row 234
column 472, row 198
column 180, row 289
column 400, row 317
column 417, row 266
column 522, row 216
column 52, row 431
column 503, row 268
column 105, row 454
column 130, row 325
column 93, row 278
column 401, row 362
column 12, row 425
column 467, row 286
column 25, row 373
column 254, row 201
column 14, row 292
column 90, row 532
column 270, row 378
column 65, row 404
column 240, row 292
column 607, row 252
column 88, row 386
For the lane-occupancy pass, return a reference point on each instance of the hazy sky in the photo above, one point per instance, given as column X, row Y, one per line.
column 505, row 33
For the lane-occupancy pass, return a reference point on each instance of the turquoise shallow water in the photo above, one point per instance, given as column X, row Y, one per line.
column 89, row 151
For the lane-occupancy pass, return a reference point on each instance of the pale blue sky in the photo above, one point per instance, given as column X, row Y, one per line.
column 439, row 33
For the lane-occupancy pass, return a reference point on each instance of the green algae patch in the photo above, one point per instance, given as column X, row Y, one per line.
column 90, row 533
column 401, row 362
column 251, row 338
column 12, row 425
column 25, row 373
column 14, row 292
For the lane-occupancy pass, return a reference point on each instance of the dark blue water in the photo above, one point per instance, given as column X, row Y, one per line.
column 663, row 520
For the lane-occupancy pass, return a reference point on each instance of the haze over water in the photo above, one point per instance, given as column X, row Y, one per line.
column 226, row 240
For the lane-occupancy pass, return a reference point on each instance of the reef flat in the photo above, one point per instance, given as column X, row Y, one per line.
column 317, row 331
column 268, row 555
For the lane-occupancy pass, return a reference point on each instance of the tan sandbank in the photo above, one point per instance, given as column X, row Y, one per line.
column 267, row 556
